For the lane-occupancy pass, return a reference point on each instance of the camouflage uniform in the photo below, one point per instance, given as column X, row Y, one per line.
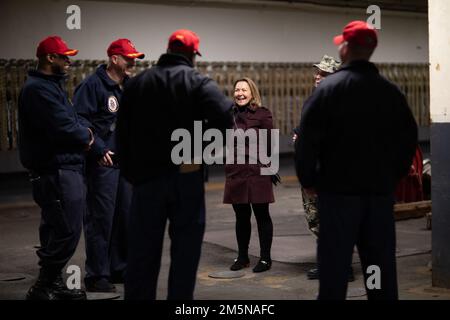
column 311, row 212
column 330, row 65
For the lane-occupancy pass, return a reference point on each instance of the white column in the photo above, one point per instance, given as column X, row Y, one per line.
column 439, row 46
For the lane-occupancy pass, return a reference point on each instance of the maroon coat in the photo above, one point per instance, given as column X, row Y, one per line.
column 244, row 182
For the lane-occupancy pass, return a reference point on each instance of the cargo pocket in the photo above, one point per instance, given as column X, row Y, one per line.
column 47, row 194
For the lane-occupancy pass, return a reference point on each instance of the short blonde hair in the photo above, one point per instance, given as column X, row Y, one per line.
column 256, row 97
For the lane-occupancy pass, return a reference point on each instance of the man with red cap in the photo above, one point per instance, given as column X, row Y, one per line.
column 52, row 141
column 97, row 101
column 168, row 96
column 358, row 138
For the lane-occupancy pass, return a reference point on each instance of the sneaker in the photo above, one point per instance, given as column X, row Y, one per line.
column 263, row 265
column 240, row 264
column 99, row 285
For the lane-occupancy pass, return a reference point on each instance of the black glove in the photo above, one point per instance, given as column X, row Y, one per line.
column 276, row 179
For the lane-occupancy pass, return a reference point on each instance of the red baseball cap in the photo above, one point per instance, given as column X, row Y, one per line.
column 184, row 40
column 124, row 47
column 359, row 32
column 54, row 44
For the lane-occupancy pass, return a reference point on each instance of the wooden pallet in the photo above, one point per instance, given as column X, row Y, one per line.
column 411, row 210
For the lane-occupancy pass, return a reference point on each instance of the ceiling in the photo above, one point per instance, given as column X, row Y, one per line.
column 396, row 5
column 418, row 6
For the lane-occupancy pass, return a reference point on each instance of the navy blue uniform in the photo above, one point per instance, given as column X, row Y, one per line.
column 96, row 100
column 51, row 145
column 357, row 139
column 170, row 95
column 119, row 237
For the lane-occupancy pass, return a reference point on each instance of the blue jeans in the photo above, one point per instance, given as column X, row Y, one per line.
column 178, row 198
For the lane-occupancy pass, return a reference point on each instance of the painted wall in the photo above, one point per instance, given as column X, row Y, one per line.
column 232, row 33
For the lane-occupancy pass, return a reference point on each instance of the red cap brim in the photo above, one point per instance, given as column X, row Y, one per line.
column 136, row 55
column 338, row 39
column 70, row 52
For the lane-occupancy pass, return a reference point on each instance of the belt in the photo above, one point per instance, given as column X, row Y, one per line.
column 187, row 168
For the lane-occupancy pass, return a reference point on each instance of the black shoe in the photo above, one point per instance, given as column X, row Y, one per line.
column 240, row 264
column 263, row 265
column 99, row 285
column 64, row 293
column 117, row 277
column 313, row 274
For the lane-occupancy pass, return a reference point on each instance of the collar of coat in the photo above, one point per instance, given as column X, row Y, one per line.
column 59, row 78
column 250, row 108
column 174, row 59
column 103, row 75
column 362, row 65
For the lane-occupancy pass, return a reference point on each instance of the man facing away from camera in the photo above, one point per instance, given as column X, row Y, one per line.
column 357, row 140
column 166, row 97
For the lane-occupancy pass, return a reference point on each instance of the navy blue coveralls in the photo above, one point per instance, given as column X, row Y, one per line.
column 170, row 95
column 96, row 100
column 51, row 146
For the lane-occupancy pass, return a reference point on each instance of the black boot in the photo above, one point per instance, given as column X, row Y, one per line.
column 313, row 274
column 64, row 293
column 43, row 288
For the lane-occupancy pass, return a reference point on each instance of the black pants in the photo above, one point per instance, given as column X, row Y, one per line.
column 244, row 228
column 61, row 197
column 178, row 198
column 366, row 221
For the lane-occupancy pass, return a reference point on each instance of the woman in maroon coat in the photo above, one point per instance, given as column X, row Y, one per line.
column 245, row 187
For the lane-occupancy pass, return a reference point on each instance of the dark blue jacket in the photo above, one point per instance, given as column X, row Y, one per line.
column 50, row 134
column 166, row 97
column 357, row 133
column 96, row 101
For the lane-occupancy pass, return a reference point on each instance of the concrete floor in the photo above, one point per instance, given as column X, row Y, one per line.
column 293, row 251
